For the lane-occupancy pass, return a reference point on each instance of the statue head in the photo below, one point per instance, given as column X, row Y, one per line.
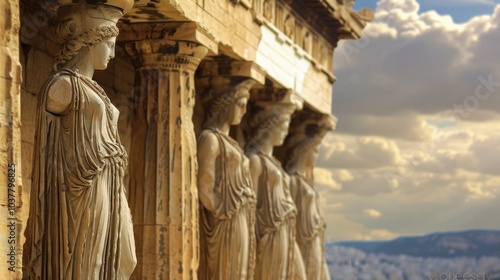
column 88, row 29
column 229, row 103
column 269, row 121
column 300, row 149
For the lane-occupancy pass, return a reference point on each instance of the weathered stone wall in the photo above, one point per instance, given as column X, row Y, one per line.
column 283, row 42
column 11, row 187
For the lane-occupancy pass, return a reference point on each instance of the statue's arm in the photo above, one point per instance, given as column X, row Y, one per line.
column 288, row 182
column 59, row 95
column 255, row 171
column 208, row 151
column 293, row 186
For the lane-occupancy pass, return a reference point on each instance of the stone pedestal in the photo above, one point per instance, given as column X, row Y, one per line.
column 163, row 169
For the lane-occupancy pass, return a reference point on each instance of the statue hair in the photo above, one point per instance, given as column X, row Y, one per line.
column 296, row 152
column 260, row 133
column 219, row 103
column 300, row 144
column 88, row 38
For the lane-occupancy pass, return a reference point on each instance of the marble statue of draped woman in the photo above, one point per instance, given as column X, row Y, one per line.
column 278, row 256
column 227, row 231
column 301, row 153
column 81, row 221
column 276, row 214
column 310, row 227
column 227, row 208
column 79, row 225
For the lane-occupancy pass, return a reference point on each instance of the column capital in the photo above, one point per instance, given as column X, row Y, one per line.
column 226, row 67
column 271, row 102
column 220, row 74
column 171, row 45
column 303, row 120
column 271, row 94
column 169, row 31
column 165, row 54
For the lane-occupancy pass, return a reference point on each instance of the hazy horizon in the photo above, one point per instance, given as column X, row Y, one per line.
column 416, row 235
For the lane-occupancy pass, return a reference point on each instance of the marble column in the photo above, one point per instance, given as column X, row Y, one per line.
column 163, row 168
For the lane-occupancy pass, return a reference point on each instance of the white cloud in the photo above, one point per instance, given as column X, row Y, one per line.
column 324, row 178
column 477, row 191
column 454, row 3
column 407, row 105
column 377, row 234
column 420, row 63
column 408, row 126
column 372, row 213
column 344, row 152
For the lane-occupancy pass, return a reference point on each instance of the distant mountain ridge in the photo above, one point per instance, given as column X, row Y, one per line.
column 471, row 243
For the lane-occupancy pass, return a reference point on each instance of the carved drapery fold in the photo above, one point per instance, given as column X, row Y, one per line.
column 298, row 155
column 266, row 125
column 79, row 225
column 223, row 86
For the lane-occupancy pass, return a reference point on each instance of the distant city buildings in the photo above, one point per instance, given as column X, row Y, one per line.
column 351, row 264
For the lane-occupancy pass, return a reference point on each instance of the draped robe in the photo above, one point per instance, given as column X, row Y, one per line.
column 278, row 257
column 227, row 236
column 310, row 228
column 79, row 225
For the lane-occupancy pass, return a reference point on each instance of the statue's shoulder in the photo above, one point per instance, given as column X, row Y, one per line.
column 255, row 161
column 253, row 156
column 60, row 92
column 60, row 80
column 294, row 179
column 207, row 135
column 208, row 142
column 61, row 77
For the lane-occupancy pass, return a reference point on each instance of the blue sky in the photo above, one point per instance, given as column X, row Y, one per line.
column 460, row 10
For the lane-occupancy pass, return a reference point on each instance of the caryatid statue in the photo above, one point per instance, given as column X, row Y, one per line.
column 227, row 208
column 298, row 154
column 278, row 256
column 79, row 224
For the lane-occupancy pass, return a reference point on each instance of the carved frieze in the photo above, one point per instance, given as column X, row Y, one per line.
column 309, row 30
column 268, row 9
column 366, row 14
column 289, row 26
column 299, row 28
